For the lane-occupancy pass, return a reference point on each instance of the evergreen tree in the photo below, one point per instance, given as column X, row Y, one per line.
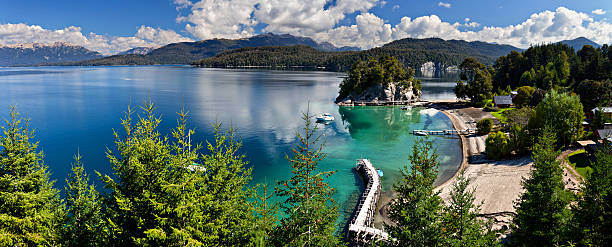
column 162, row 197
column 593, row 213
column 30, row 209
column 84, row 224
column 417, row 210
column 461, row 225
column 475, row 81
column 542, row 211
column 310, row 211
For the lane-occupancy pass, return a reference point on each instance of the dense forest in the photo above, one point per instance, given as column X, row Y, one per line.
column 587, row 72
column 411, row 52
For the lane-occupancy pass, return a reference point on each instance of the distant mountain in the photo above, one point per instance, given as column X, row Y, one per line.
column 579, row 42
column 138, row 51
column 485, row 52
column 37, row 53
column 187, row 52
column 412, row 52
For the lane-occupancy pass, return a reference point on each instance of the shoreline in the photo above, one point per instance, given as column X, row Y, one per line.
column 381, row 217
column 464, row 148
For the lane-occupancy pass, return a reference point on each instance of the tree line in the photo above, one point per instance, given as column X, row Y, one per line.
column 587, row 73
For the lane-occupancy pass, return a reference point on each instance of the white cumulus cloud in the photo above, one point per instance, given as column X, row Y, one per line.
column 546, row 26
column 598, row 11
column 239, row 18
column 443, row 4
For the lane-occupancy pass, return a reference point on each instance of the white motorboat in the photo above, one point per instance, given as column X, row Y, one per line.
column 421, row 133
column 406, row 107
column 325, row 117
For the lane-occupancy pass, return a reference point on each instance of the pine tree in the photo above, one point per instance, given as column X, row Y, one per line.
column 417, row 210
column 542, row 211
column 168, row 194
column 593, row 213
column 84, row 224
column 461, row 225
column 30, row 208
column 310, row 210
column 141, row 167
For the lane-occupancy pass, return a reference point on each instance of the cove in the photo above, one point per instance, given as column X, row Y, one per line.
column 76, row 109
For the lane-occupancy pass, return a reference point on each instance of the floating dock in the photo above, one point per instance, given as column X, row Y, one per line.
column 444, row 132
column 360, row 230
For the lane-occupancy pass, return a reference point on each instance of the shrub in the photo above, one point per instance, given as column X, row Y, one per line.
column 524, row 95
column 498, row 145
column 484, row 126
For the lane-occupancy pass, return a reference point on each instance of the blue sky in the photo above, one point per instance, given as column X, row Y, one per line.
column 113, row 25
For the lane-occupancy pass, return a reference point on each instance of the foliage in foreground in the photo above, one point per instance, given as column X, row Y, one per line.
column 593, row 212
column 542, row 212
column 462, row 227
column 311, row 211
column 30, row 208
column 420, row 216
column 167, row 193
column 416, row 210
column 84, row 224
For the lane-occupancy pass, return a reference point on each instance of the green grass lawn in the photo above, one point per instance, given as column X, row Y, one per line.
column 580, row 161
column 498, row 114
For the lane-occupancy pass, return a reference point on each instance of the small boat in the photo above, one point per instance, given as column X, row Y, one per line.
column 380, row 172
column 406, row 107
column 421, row 133
column 325, row 117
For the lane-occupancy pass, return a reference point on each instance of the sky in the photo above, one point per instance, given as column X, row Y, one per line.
column 112, row 26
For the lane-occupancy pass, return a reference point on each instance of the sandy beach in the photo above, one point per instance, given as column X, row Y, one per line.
column 497, row 183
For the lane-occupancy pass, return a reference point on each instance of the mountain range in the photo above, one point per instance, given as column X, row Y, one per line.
column 37, row 53
column 579, row 42
column 187, row 52
column 264, row 50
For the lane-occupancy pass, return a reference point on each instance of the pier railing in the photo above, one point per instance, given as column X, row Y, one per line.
column 360, row 230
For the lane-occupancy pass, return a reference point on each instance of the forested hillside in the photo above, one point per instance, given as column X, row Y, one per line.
column 187, row 52
column 411, row 52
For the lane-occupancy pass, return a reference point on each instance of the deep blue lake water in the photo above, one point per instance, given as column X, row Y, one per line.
column 75, row 109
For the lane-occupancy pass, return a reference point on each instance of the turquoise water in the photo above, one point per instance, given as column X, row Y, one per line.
column 77, row 108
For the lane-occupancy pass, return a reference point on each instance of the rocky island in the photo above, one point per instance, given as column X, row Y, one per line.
column 379, row 82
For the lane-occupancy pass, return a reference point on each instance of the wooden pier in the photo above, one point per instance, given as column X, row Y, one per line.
column 377, row 103
column 360, row 230
column 444, row 132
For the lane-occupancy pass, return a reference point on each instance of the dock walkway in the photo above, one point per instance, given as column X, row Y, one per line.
column 444, row 132
column 360, row 230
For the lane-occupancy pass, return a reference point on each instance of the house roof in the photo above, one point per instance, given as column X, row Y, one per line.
column 503, row 100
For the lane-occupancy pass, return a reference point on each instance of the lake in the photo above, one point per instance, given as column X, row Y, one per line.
column 75, row 109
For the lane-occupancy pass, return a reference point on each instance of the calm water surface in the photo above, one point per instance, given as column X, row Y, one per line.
column 76, row 109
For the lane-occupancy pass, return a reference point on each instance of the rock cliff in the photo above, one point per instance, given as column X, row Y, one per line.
column 381, row 94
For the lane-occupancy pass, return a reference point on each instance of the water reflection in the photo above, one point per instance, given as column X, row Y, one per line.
column 395, row 122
